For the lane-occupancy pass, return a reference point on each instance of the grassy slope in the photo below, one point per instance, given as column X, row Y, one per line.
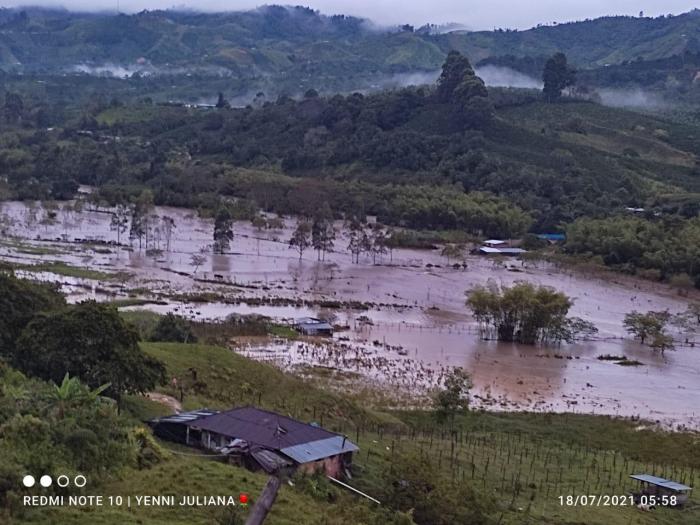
column 544, row 455
column 667, row 151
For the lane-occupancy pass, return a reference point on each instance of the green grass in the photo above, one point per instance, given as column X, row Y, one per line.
column 225, row 379
column 279, row 330
column 525, row 460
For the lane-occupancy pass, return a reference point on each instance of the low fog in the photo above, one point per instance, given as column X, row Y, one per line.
column 631, row 98
column 484, row 15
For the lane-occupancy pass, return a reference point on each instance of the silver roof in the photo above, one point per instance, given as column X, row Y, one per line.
column 319, row 449
column 661, row 482
column 186, row 417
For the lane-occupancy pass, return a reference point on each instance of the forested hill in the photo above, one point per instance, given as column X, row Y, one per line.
column 276, row 39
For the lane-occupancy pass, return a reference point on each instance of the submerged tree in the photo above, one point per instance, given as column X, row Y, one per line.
column 523, row 313
column 452, row 251
column 199, row 258
column 557, row 76
column 323, row 231
column 120, row 221
column 223, row 230
column 378, row 242
column 140, row 213
column 168, row 225
column 301, row 238
column 650, row 327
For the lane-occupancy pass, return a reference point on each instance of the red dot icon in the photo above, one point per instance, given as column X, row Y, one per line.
column 243, row 498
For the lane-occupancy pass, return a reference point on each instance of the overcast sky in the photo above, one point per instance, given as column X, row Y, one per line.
column 481, row 14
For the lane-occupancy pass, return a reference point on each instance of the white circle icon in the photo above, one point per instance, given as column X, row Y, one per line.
column 80, row 480
column 45, row 481
column 62, row 481
column 28, row 481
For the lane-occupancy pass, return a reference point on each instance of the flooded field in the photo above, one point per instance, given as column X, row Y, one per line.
column 405, row 316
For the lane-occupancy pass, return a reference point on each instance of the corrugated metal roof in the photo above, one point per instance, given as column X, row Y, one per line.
column 263, row 428
column 502, row 251
column 661, row 482
column 322, row 448
column 185, row 417
column 269, row 460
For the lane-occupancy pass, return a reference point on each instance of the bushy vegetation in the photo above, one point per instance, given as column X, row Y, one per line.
column 47, row 339
column 64, row 428
column 526, row 313
column 172, row 328
column 652, row 247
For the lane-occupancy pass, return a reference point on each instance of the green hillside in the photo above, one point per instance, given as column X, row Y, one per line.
column 302, row 42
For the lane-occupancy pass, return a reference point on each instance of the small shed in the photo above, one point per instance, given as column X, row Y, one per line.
column 655, row 486
column 313, row 326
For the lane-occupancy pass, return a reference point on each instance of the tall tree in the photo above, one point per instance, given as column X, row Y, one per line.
column 120, row 221
column 221, row 102
column 459, row 85
column 223, row 230
column 357, row 239
column 455, row 68
column 301, row 238
column 322, row 231
column 168, row 227
column 557, row 76
column 378, row 242
column 140, row 212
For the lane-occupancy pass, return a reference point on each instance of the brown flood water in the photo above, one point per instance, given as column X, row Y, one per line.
column 427, row 320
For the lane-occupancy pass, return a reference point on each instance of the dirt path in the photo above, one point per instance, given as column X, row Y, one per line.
column 166, row 400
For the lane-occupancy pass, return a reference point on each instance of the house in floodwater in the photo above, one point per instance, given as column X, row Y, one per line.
column 660, row 487
column 313, row 326
column 495, row 243
column 260, row 439
column 485, row 250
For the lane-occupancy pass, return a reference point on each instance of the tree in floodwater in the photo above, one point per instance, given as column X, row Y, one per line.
column 198, row 259
column 120, row 221
column 322, row 231
column 140, row 212
column 301, row 238
column 223, row 230
column 355, row 232
column 168, row 227
column 650, row 327
column 452, row 251
column 378, row 243
column 524, row 313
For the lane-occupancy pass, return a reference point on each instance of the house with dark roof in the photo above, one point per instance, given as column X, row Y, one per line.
column 260, row 439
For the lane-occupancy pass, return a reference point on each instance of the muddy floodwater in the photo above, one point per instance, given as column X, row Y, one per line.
column 412, row 326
